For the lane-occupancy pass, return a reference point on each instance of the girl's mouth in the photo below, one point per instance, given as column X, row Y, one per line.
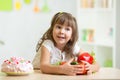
column 60, row 37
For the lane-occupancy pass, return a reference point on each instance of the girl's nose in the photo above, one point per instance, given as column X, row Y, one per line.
column 62, row 31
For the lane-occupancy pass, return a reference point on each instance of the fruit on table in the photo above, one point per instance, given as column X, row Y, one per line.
column 85, row 56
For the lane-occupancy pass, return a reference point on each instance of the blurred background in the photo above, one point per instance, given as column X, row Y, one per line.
column 23, row 22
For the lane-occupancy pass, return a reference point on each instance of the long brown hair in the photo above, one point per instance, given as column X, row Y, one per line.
column 62, row 18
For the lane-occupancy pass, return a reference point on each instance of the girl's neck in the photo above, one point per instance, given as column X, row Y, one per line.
column 60, row 47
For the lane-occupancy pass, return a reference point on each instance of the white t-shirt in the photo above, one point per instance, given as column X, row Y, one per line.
column 55, row 54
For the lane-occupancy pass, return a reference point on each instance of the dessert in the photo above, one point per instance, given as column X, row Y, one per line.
column 16, row 66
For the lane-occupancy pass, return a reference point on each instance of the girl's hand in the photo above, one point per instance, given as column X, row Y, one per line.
column 89, row 67
column 71, row 70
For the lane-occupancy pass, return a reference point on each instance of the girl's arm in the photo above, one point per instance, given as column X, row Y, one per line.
column 46, row 67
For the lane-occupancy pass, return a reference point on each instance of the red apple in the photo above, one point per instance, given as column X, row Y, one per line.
column 85, row 56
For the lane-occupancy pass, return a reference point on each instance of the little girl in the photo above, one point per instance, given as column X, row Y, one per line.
column 59, row 44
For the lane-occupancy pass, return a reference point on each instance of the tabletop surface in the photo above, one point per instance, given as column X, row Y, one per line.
column 104, row 73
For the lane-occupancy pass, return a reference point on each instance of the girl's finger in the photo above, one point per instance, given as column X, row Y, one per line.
column 89, row 72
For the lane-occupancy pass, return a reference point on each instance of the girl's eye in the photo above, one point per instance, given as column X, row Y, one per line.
column 59, row 27
column 67, row 29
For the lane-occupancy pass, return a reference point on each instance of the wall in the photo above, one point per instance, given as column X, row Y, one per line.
column 21, row 29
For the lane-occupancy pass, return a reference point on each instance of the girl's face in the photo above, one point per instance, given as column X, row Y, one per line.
column 61, row 34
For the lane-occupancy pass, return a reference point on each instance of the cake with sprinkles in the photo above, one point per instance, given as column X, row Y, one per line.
column 16, row 66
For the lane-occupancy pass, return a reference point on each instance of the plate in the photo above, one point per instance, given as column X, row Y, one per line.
column 18, row 73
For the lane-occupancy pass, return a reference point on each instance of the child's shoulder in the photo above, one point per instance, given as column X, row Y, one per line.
column 48, row 41
column 48, row 44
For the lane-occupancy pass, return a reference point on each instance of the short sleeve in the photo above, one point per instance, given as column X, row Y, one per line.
column 48, row 44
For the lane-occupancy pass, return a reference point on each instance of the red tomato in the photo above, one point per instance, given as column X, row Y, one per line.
column 85, row 56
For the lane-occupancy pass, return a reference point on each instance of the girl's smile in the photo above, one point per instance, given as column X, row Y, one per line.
column 61, row 37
